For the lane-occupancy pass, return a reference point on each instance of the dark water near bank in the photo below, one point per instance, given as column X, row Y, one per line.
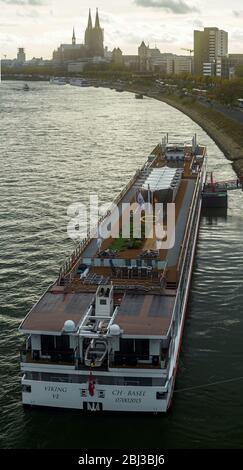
column 57, row 144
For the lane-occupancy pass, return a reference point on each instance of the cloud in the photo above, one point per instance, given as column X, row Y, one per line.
column 29, row 14
column 179, row 7
column 198, row 23
column 237, row 13
column 7, row 25
column 23, row 2
column 237, row 35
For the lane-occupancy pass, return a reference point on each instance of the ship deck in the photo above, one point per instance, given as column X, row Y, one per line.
column 54, row 308
column 140, row 277
column 147, row 300
column 145, row 315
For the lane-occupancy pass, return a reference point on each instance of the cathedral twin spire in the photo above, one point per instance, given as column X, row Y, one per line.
column 97, row 20
column 90, row 25
column 94, row 39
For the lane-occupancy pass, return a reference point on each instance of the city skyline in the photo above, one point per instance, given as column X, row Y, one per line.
column 40, row 25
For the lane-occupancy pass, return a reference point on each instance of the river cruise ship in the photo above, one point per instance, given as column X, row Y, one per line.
column 106, row 335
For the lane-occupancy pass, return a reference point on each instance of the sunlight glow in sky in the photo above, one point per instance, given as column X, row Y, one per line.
column 40, row 26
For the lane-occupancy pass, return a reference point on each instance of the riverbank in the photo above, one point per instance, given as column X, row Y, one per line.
column 226, row 132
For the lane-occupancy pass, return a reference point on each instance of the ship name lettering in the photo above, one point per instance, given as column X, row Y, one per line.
column 55, row 389
column 129, row 393
column 133, row 393
column 117, row 392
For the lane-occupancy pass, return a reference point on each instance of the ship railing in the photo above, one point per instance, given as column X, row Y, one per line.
column 73, row 261
column 71, row 264
column 141, row 361
column 176, row 317
column 49, row 357
column 182, row 259
column 189, row 223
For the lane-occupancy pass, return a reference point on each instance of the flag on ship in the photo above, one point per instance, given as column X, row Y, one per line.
column 91, row 384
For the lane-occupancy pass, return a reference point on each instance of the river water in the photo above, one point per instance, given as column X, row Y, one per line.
column 58, row 145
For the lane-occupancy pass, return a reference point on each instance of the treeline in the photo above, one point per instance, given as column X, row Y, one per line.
column 224, row 91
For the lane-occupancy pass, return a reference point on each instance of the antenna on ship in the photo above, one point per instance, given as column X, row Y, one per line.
column 194, row 143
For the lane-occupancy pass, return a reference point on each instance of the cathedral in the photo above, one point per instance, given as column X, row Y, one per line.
column 93, row 44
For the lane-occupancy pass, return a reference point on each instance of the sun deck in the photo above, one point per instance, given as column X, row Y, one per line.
column 145, row 315
column 132, row 266
column 54, row 308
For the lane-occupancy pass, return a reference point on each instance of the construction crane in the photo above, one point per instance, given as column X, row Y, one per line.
column 189, row 50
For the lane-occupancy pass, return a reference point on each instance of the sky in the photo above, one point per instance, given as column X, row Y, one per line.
column 40, row 26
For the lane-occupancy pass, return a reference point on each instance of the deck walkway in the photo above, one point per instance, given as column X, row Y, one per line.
column 174, row 253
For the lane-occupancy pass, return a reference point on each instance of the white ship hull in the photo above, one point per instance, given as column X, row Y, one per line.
column 63, row 395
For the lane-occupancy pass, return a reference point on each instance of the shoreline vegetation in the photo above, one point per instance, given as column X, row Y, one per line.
column 226, row 132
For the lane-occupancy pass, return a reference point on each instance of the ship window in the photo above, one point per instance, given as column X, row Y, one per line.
column 56, row 378
column 132, row 383
column 47, row 344
column 142, row 348
column 138, row 347
column 62, row 343
column 127, row 346
column 54, row 343
column 26, row 388
column 103, row 302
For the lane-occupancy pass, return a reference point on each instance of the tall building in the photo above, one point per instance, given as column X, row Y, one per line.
column 209, row 45
column 94, row 37
column 21, row 58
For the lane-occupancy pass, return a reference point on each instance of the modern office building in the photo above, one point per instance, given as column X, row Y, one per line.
column 209, row 45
